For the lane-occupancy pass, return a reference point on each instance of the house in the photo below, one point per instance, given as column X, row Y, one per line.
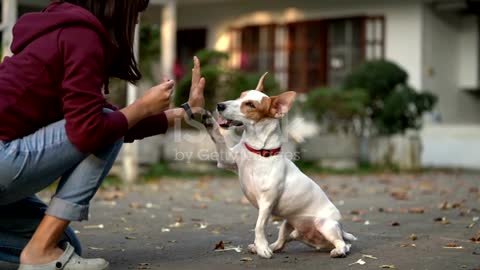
column 306, row 43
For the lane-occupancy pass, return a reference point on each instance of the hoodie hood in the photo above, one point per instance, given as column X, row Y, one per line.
column 57, row 15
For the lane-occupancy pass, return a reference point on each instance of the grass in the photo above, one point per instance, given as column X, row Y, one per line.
column 160, row 170
column 363, row 168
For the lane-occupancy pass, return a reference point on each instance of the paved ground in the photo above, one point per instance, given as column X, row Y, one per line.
column 176, row 224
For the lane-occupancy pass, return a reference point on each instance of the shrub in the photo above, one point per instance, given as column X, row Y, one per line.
column 336, row 109
column 393, row 106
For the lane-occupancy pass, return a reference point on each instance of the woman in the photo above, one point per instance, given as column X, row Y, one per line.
column 55, row 123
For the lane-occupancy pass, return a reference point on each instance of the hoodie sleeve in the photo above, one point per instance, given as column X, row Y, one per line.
column 87, row 126
column 150, row 126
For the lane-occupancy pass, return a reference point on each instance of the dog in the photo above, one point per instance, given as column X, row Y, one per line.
column 270, row 181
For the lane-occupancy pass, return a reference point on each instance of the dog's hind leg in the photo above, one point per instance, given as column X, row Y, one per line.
column 283, row 237
column 332, row 231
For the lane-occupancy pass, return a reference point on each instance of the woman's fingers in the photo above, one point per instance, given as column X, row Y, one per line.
column 196, row 71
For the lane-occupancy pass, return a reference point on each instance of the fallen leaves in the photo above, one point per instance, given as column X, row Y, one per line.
column 399, row 195
column 442, row 220
column 99, row 226
column 476, row 238
column 359, row 261
column 369, row 256
column 416, row 210
column 452, row 245
column 246, row 259
column 413, row 237
column 219, row 245
column 387, row 266
column 395, row 224
column 143, row 266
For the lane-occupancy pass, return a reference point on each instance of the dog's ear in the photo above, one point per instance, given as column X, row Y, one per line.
column 260, row 82
column 280, row 105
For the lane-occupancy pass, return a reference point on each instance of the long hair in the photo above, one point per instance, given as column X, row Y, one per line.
column 119, row 17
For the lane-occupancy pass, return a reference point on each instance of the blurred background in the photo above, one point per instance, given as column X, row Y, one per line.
column 383, row 84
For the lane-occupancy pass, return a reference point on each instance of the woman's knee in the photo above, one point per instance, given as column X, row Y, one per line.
column 110, row 151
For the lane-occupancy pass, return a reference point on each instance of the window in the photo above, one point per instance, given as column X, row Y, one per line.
column 254, row 49
column 305, row 55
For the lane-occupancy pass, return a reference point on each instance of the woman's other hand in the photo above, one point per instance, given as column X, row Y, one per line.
column 157, row 99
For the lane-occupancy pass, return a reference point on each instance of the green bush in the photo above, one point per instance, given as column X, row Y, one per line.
column 335, row 107
column 378, row 78
column 149, row 49
column 403, row 109
column 392, row 106
column 222, row 83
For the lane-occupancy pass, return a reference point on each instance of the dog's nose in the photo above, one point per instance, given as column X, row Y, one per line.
column 221, row 107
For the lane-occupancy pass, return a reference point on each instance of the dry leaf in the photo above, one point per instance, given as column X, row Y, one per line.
column 95, row 248
column 357, row 219
column 135, row 205
column 369, row 256
column 130, row 237
column 399, row 195
column 476, row 238
column 413, row 237
column 246, row 259
column 355, row 212
column 416, row 210
column 99, row 226
column 359, row 261
column 388, row 266
column 143, row 266
column 220, row 245
column 395, row 224
column 442, row 220
column 452, row 245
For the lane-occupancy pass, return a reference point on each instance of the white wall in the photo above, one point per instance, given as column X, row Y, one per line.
column 403, row 22
column 468, row 53
column 444, row 65
column 450, row 146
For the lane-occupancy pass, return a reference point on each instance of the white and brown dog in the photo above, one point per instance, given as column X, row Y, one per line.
column 270, row 181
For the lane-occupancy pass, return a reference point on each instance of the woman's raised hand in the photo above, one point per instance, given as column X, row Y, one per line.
column 196, row 99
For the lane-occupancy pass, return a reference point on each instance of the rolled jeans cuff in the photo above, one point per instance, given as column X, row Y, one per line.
column 67, row 210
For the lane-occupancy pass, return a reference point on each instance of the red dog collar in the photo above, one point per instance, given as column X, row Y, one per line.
column 264, row 152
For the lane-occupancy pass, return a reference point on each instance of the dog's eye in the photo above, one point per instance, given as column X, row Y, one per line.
column 250, row 104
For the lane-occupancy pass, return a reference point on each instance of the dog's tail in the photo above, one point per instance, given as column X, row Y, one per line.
column 348, row 236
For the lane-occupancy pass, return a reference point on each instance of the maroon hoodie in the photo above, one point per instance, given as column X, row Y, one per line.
column 58, row 70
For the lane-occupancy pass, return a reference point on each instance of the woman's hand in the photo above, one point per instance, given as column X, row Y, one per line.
column 157, row 99
column 196, row 99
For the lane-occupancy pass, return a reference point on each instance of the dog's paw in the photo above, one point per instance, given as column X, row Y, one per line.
column 276, row 247
column 252, row 249
column 207, row 120
column 338, row 253
column 264, row 252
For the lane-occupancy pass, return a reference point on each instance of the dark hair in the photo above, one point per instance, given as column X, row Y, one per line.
column 119, row 17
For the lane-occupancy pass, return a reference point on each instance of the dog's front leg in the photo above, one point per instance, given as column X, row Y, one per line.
column 225, row 156
column 261, row 243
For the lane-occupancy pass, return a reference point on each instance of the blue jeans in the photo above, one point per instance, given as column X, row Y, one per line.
column 32, row 163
